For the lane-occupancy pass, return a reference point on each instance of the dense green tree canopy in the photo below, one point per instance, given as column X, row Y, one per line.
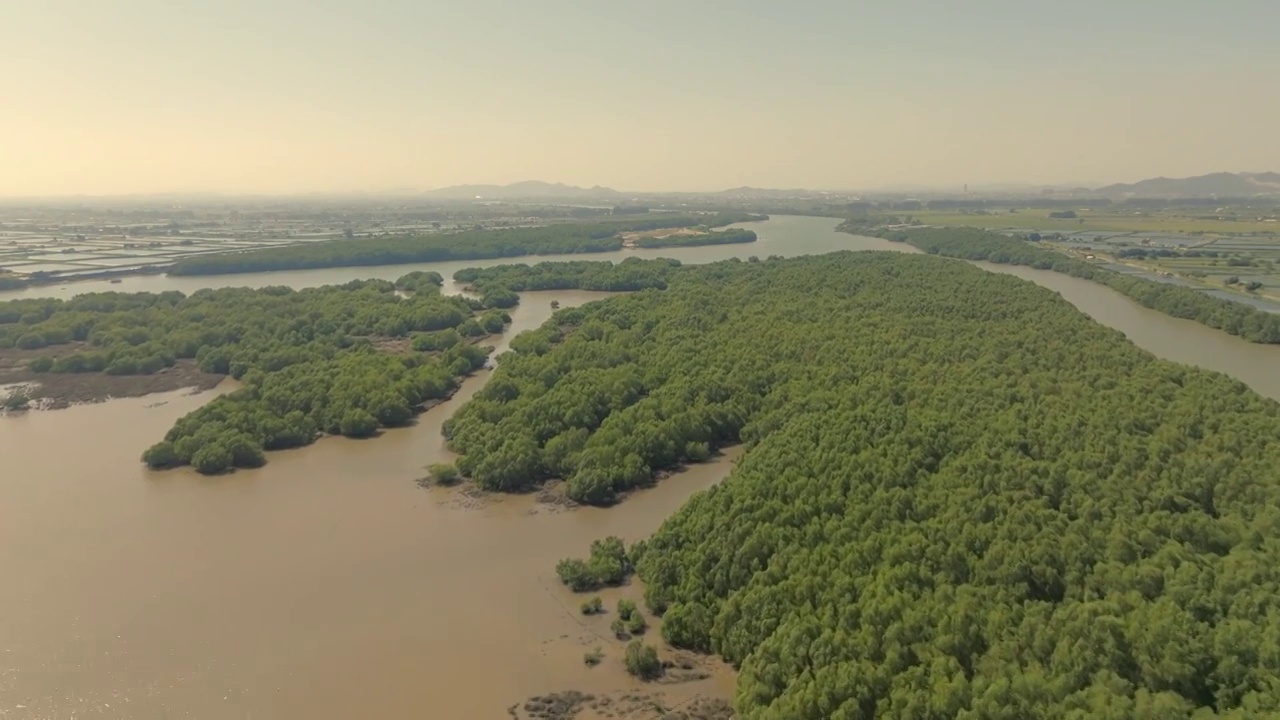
column 630, row 274
column 960, row 498
column 420, row 281
column 1236, row 318
column 466, row 245
column 311, row 361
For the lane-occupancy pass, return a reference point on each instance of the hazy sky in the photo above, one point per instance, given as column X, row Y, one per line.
column 334, row 95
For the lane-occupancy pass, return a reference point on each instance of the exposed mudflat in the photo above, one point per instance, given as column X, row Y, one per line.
column 621, row 705
column 59, row 390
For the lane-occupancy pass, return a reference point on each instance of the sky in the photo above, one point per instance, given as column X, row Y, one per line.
column 300, row 96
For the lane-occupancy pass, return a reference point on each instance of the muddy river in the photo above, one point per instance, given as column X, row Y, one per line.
column 327, row 584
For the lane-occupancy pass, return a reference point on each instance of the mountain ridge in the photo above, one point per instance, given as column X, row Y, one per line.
column 1223, row 184
column 523, row 189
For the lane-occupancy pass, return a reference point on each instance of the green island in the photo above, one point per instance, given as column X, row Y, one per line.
column 476, row 244
column 693, row 239
column 600, row 275
column 960, row 496
column 343, row 359
column 1178, row 301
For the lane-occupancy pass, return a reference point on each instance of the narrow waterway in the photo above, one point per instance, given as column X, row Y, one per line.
column 327, row 585
column 785, row 235
column 1184, row 341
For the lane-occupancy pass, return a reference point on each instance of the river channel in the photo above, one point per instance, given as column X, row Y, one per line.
column 327, row 584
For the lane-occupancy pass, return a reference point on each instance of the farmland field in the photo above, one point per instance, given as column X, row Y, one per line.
column 1234, row 268
column 1171, row 220
column 1233, row 252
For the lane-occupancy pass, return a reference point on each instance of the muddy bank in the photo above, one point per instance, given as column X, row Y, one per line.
column 623, row 706
column 551, row 495
column 691, row 687
column 54, row 391
column 323, row 585
column 50, row 391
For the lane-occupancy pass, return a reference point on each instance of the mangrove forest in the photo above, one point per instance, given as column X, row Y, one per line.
column 960, row 496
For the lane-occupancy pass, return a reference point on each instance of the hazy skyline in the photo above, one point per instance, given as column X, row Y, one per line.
column 285, row 96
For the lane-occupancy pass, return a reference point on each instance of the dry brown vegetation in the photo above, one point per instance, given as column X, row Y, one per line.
column 58, row 390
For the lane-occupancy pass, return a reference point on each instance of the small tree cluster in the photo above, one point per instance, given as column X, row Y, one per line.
column 594, row 606
column 608, row 564
column 630, row 620
column 443, row 474
column 17, row 400
column 642, row 661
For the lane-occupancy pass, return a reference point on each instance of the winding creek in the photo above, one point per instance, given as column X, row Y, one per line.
column 327, row 584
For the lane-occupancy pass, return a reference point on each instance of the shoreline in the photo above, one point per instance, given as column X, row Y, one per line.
column 57, row 391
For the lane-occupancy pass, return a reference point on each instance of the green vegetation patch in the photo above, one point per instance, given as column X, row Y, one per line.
column 599, row 275
column 466, row 245
column 723, row 237
column 608, row 565
column 960, row 496
column 1118, row 218
column 310, row 361
column 642, row 661
column 1182, row 302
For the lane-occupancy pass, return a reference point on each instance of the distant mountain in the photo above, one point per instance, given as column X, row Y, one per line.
column 768, row 193
column 520, row 190
column 1212, row 185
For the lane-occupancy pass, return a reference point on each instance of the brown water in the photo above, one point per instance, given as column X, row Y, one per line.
column 786, row 235
column 327, row 585
column 1184, row 341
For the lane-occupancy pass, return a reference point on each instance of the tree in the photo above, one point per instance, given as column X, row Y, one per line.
column 500, row 297
column 443, row 474
column 161, row 455
column 493, row 322
column 212, row 459
column 642, row 661
column 392, row 411
column 688, row 626
column 636, row 624
column 698, row 452
column 246, row 452
column 17, row 400
column 609, row 563
column 626, row 608
column 576, row 575
column 358, row 424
